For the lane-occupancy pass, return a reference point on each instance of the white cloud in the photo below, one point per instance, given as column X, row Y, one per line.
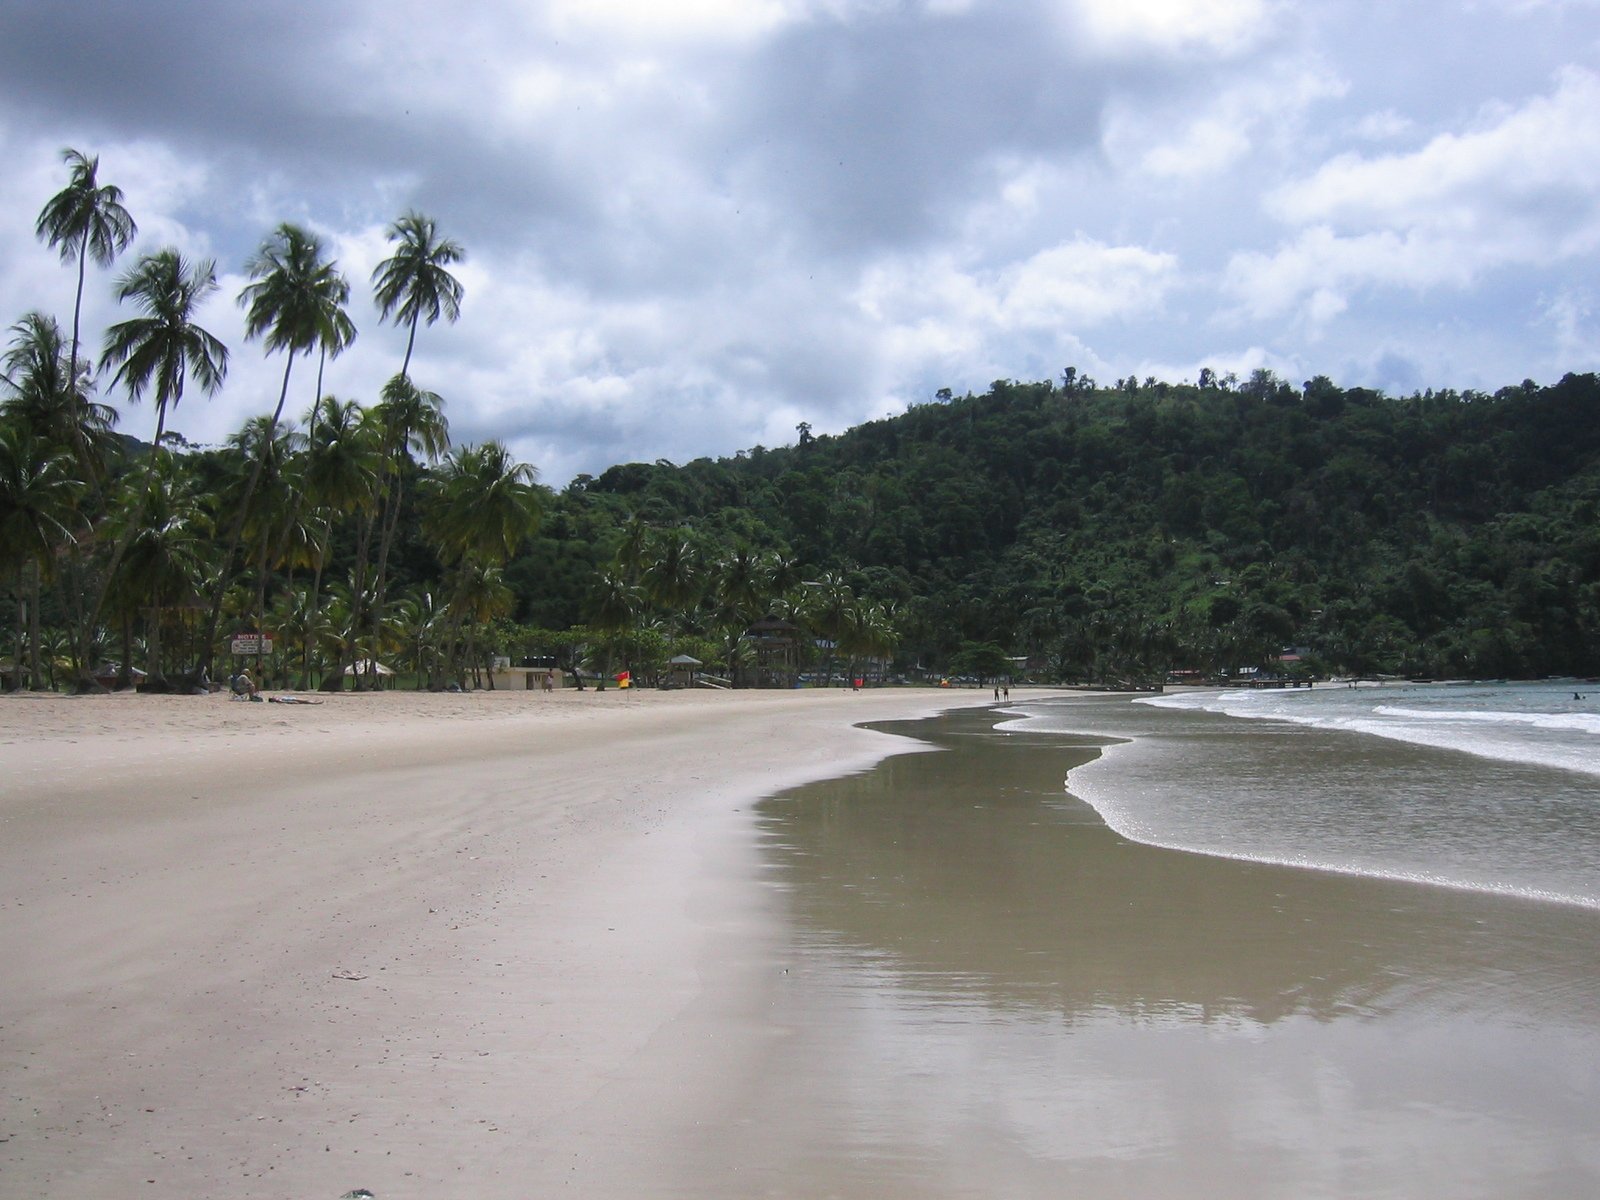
column 1520, row 188
column 651, row 21
column 1179, row 140
column 1384, row 126
column 1173, row 26
column 1084, row 283
column 1573, row 319
column 1550, row 145
column 1076, row 283
column 691, row 225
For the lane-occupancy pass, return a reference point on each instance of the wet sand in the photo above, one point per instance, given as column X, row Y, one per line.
column 508, row 945
column 992, row 994
column 425, row 945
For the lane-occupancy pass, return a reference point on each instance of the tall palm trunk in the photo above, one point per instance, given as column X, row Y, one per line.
column 120, row 550
column 391, row 520
column 155, row 678
column 236, row 533
column 35, row 588
column 125, row 671
column 411, row 340
column 314, row 601
column 77, row 307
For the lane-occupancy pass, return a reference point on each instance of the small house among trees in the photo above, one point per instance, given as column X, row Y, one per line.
column 774, row 654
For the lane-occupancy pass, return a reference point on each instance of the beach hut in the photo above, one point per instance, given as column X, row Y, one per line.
column 109, row 675
column 683, row 670
column 774, row 654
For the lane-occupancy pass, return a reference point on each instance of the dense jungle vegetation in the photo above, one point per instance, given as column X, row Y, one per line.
column 1117, row 533
column 1057, row 530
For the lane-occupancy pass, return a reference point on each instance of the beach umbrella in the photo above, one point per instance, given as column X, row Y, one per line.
column 367, row 668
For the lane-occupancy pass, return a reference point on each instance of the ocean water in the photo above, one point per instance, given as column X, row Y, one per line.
column 992, row 985
column 1485, row 787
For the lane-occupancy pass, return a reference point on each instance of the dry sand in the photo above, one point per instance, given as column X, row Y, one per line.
column 431, row 945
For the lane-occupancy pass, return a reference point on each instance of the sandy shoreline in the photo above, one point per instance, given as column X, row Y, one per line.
column 426, row 945
column 504, row 945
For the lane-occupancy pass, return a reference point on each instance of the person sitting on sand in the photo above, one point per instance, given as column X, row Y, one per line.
column 243, row 685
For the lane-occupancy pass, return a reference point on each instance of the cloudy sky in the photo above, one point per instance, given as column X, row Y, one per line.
column 692, row 224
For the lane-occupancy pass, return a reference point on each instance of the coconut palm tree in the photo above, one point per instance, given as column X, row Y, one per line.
column 414, row 283
column 164, row 346
column 85, row 220
column 161, row 349
column 869, row 634
column 295, row 303
column 743, row 584
column 409, row 420
column 42, row 394
column 341, row 478
column 633, row 548
column 671, row 577
column 414, row 622
column 275, row 501
column 830, row 612
column 165, row 560
column 614, row 606
column 295, row 300
column 482, row 504
column 478, row 594
column 38, row 505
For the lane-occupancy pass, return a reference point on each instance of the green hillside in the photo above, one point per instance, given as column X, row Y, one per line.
column 1115, row 533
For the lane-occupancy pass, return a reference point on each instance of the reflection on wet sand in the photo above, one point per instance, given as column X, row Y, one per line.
column 991, row 994
column 976, row 871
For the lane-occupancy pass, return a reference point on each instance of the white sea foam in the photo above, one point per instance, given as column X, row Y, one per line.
column 1566, row 722
column 1542, row 729
column 1510, row 826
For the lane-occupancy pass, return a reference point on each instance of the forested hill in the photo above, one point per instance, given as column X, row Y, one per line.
column 1115, row 532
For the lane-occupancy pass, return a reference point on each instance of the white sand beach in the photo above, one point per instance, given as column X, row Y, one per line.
column 429, row 945
column 506, row 944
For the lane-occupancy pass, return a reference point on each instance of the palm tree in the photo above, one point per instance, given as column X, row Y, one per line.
column 43, row 395
column 414, row 623
column 871, row 634
column 85, row 220
column 409, row 419
column 633, row 549
column 165, row 346
column 38, row 503
column 295, row 302
column 671, row 577
column 413, row 283
column 478, row 595
column 742, row 588
column 161, row 349
column 165, row 560
column 341, row 477
column 830, row 612
column 614, row 605
column 743, row 584
column 275, row 503
column 482, row 505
